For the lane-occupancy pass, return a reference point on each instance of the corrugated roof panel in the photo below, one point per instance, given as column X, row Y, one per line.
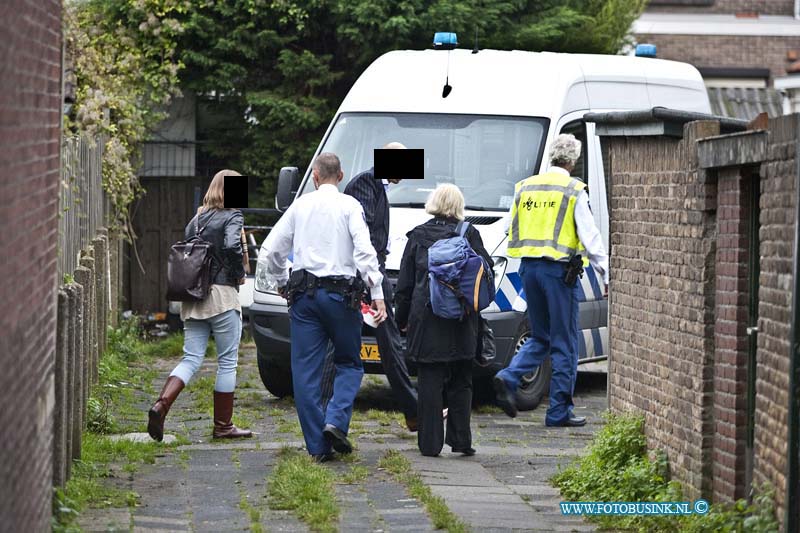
column 745, row 103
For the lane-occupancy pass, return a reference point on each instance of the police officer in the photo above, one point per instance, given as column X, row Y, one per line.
column 551, row 223
column 328, row 237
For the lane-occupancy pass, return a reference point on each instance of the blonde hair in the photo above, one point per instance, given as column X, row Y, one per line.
column 215, row 196
column 446, row 201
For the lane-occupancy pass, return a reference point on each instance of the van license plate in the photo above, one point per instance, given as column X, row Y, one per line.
column 369, row 352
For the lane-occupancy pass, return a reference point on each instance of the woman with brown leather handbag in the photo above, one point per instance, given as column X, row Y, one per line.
column 219, row 312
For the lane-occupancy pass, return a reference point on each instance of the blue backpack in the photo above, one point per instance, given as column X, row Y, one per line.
column 460, row 280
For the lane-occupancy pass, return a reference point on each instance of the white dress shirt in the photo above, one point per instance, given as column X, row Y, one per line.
column 587, row 230
column 327, row 235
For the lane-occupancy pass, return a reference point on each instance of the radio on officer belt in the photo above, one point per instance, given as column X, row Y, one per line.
column 573, row 270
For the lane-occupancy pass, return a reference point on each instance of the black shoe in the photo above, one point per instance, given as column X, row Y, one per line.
column 573, row 422
column 322, row 457
column 504, row 397
column 468, row 452
column 337, row 439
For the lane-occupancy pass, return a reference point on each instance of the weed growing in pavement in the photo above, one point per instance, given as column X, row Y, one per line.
column 442, row 517
column 488, row 409
column 292, row 425
column 299, row 485
column 86, row 488
column 357, row 474
column 252, row 512
column 124, row 369
column 617, row 468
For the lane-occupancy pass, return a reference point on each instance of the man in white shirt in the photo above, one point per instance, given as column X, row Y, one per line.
column 550, row 223
column 329, row 239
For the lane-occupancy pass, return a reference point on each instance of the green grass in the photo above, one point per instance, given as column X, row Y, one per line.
column 383, row 418
column 125, row 374
column 299, row 485
column 357, row 474
column 618, row 467
column 292, row 425
column 86, row 487
column 488, row 409
column 400, row 467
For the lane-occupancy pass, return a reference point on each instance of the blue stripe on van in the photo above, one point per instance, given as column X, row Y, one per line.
column 515, row 280
column 581, row 346
column 593, row 280
column 502, row 301
column 598, row 342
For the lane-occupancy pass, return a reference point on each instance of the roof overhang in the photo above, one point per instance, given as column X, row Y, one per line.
column 655, row 122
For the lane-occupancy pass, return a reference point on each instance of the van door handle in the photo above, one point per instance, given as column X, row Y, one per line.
column 752, row 330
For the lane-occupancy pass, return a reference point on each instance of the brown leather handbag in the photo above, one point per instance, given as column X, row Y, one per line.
column 189, row 267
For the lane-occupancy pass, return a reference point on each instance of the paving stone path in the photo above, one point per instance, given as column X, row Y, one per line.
column 210, row 486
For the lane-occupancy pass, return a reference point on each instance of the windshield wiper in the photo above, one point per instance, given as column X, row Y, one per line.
column 407, row 204
column 475, row 208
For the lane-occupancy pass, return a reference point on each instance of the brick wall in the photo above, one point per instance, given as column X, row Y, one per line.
column 663, row 237
column 778, row 196
column 730, row 337
column 30, row 119
column 680, row 264
column 725, row 50
column 763, row 7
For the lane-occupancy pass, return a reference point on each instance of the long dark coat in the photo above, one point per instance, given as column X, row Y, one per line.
column 432, row 339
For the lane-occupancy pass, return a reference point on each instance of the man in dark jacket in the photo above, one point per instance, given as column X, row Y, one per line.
column 443, row 349
column 371, row 193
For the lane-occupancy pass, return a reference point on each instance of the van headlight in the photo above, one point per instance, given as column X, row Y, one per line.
column 499, row 269
column 262, row 282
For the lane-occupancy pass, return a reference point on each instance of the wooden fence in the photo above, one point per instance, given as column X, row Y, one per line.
column 83, row 204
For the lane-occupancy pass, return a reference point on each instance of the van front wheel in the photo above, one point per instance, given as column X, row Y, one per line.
column 534, row 386
column 276, row 379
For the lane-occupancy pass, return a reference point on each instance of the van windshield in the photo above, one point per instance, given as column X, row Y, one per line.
column 483, row 155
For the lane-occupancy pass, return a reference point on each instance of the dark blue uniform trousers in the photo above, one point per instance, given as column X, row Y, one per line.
column 316, row 320
column 553, row 316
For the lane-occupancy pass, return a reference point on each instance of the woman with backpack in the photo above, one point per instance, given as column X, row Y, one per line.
column 442, row 348
column 219, row 313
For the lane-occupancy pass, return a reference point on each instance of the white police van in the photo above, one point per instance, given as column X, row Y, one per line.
column 493, row 129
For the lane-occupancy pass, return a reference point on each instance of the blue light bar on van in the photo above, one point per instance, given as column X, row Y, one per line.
column 443, row 40
column 645, row 50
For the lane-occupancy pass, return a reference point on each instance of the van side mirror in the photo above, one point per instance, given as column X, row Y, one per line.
column 288, row 183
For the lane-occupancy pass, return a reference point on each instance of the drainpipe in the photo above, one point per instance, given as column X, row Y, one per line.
column 792, row 518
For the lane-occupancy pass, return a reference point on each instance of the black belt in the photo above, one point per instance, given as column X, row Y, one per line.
column 302, row 281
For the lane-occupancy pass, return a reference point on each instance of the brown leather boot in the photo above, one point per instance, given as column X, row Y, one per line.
column 158, row 413
column 223, row 411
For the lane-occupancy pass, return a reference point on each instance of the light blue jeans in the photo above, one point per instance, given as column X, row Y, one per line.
column 227, row 330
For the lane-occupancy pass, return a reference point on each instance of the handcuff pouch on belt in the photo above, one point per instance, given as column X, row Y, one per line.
column 573, row 270
column 302, row 282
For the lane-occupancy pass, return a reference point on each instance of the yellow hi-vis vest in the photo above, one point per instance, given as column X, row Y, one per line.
column 543, row 217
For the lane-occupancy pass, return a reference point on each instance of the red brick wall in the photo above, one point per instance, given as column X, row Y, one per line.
column 730, row 337
column 725, row 50
column 663, row 235
column 30, row 120
column 777, row 203
column 679, row 299
column 763, row 7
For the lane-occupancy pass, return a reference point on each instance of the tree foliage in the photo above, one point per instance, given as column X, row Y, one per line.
column 270, row 73
column 274, row 71
column 123, row 55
